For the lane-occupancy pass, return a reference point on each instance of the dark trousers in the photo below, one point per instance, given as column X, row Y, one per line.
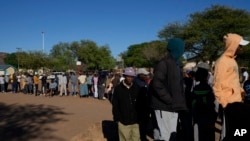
column 185, row 127
column 237, row 119
column 6, row 84
column 101, row 91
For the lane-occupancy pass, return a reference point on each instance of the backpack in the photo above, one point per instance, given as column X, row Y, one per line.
column 203, row 100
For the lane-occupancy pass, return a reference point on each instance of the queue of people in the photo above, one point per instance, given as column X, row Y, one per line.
column 96, row 85
column 166, row 104
column 185, row 107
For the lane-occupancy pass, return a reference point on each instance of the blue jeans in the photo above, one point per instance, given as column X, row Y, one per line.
column 73, row 89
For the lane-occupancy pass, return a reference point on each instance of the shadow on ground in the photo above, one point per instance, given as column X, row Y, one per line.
column 109, row 129
column 28, row 122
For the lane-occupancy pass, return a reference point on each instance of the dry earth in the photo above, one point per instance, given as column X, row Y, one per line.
column 38, row 118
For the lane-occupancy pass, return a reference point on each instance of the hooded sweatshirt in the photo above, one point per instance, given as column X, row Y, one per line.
column 166, row 88
column 227, row 87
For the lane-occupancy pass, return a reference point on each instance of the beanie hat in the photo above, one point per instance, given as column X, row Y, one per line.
column 176, row 47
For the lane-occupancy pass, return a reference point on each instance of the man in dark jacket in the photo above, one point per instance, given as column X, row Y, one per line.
column 167, row 92
column 143, row 102
column 125, row 107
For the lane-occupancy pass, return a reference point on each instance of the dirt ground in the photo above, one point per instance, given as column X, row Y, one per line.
column 37, row 118
column 68, row 118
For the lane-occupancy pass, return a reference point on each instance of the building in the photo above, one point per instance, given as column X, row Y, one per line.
column 7, row 69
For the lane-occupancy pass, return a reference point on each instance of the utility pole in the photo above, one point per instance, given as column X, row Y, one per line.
column 43, row 40
column 18, row 51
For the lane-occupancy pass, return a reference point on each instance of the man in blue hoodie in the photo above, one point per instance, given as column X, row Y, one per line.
column 167, row 92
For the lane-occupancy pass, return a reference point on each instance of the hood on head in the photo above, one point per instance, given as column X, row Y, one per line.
column 176, row 47
column 232, row 42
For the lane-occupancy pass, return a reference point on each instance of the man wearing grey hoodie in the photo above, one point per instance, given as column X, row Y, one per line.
column 167, row 94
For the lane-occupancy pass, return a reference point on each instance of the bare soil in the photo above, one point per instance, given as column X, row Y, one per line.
column 26, row 117
column 38, row 118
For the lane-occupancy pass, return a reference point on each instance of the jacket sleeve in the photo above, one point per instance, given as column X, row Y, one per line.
column 159, row 83
column 115, row 106
column 222, row 87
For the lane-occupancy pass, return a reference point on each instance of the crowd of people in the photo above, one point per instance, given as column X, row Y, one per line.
column 184, row 105
column 170, row 103
column 83, row 84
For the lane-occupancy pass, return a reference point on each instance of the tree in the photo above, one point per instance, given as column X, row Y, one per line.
column 171, row 30
column 27, row 60
column 62, row 56
column 92, row 56
column 11, row 59
column 144, row 54
column 204, row 31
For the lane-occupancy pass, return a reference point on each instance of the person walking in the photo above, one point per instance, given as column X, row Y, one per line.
column 167, row 92
column 228, row 91
column 124, row 107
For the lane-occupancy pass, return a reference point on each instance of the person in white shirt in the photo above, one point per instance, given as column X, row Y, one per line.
column 2, row 83
column 62, row 83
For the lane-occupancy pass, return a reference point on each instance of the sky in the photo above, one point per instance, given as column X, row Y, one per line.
column 117, row 24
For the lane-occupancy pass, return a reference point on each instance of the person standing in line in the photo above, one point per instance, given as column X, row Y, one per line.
column 83, row 85
column 52, row 88
column 6, row 82
column 67, row 84
column 185, row 130
column 101, row 85
column 29, row 84
column 36, row 82
column 246, row 88
column 227, row 88
column 124, row 107
column 143, row 102
column 2, row 84
column 74, row 81
column 95, row 82
column 18, row 81
column 203, row 106
column 244, row 75
column 90, row 84
column 63, row 83
column 44, row 84
column 14, row 83
column 167, row 95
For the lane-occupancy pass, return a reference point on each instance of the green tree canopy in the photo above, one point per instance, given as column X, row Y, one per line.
column 144, row 54
column 203, row 32
column 61, row 56
column 93, row 56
